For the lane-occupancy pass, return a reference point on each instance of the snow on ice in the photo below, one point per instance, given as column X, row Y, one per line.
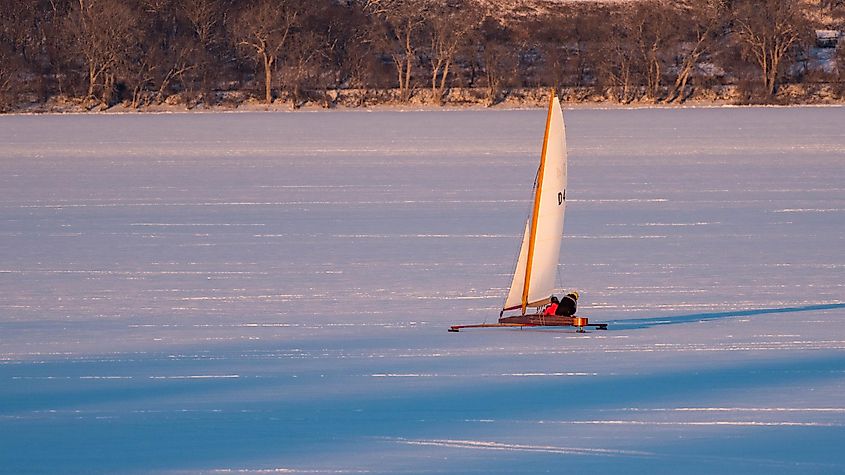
column 270, row 292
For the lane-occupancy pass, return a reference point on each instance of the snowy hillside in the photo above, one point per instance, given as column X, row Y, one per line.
column 270, row 292
column 516, row 9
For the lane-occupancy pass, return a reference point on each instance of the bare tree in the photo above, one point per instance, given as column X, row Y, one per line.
column 496, row 60
column 101, row 31
column 835, row 8
column 174, row 63
column 10, row 36
column 9, row 69
column 307, row 55
column 499, row 67
column 263, row 29
column 401, row 20
column 589, row 30
column 557, row 41
column 650, row 27
column 356, row 61
column 313, row 64
column 18, row 29
column 205, row 19
column 767, row 29
column 449, row 26
column 616, row 58
column 698, row 23
column 631, row 50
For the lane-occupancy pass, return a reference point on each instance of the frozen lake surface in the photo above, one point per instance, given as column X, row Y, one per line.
column 270, row 292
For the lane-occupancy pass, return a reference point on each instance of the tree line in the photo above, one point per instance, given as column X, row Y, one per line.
column 99, row 53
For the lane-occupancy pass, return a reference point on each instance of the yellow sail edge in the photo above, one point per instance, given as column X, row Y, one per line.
column 537, row 192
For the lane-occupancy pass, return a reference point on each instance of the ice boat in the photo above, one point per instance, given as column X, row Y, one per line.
column 536, row 268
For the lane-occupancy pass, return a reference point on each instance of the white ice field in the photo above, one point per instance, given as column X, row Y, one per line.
column 270, row 293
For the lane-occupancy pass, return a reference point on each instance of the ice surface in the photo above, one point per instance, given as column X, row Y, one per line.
column 270, row 292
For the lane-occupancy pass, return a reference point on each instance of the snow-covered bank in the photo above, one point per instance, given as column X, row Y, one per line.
column 270, row 292
column 792, row 95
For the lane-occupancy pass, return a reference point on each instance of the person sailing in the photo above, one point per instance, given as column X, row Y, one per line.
column 566, row 306
column 552, row 307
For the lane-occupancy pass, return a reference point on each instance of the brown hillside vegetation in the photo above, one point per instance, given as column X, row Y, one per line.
column 151, row 54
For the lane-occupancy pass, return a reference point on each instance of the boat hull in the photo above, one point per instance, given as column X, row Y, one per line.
column 537, row 320
column 545, row 320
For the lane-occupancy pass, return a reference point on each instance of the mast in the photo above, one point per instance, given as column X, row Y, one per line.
column 537, row 192
column 536, row 267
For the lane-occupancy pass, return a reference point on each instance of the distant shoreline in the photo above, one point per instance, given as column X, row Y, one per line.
column 791, row 96
column 282, row 108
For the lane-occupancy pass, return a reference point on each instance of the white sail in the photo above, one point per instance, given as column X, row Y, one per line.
column 540, row 249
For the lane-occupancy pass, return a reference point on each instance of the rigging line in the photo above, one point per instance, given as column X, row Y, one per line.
column 515, row 260
column 559, row 279
column 559, row 288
